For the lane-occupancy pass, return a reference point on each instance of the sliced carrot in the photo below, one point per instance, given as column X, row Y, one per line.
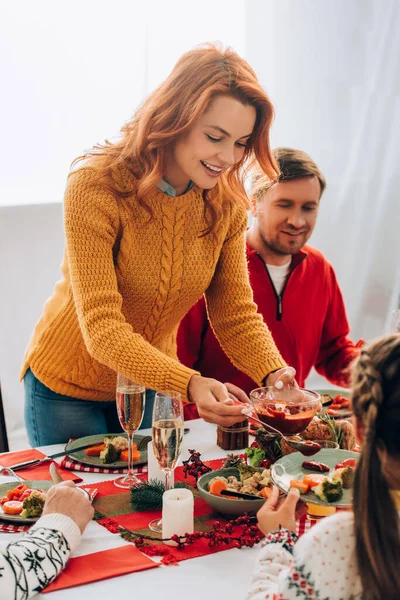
column 313, row 480
column 217, row 486
column 95, row 450
column 266, row 492
column 135, row 454
column 13, row 507
column 300, row 485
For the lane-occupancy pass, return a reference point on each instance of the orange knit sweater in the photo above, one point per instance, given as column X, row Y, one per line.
column 126, row 284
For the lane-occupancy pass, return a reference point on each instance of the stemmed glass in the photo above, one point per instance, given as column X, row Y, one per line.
column 130, row 399
column 167, row 437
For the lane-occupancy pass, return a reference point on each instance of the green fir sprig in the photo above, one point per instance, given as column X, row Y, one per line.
column 148, row 495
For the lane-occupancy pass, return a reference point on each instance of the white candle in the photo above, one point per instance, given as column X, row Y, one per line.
column 177, row 513
column 154, row 471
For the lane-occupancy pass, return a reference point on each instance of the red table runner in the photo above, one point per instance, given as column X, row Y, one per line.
column 115, row 512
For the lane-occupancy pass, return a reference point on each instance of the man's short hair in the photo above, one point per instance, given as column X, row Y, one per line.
column 293, row 164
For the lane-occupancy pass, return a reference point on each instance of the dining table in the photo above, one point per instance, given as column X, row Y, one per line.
column 213, row 576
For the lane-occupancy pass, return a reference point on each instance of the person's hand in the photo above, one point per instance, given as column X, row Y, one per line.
column 65, row 498
column 213, row 402
column 276, row 512
column 281, row 378
column 236, row 393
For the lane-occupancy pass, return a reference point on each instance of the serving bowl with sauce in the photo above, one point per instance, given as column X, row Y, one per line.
column 289, row 410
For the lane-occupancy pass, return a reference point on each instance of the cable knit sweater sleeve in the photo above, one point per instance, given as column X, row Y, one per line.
column 240, row 329
column 32, row 562
column 91, row 225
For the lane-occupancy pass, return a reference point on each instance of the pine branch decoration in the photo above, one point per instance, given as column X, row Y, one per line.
column 148, row 495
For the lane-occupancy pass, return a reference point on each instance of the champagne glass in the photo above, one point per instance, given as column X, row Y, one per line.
column 167, row 437
column 130, row 399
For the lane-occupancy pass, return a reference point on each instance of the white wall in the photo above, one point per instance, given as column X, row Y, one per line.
column 31, row 248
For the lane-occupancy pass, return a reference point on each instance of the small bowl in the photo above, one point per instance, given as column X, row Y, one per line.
column 289, row 410
column 225, row 505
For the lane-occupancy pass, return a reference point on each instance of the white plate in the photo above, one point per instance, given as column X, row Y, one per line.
column 289, row 467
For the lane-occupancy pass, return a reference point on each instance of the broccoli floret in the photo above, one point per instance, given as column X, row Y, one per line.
column 109, row 455
column 255, row 455
column 346, row 476
column 246, row 471
column 329, row 490
column 32, row 506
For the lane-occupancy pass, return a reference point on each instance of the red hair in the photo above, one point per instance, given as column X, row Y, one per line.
column 170, row 112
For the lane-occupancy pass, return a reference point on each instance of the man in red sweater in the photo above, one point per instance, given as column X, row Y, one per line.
column 294, row 286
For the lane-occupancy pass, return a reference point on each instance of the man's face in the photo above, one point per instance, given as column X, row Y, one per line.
column 286, row 215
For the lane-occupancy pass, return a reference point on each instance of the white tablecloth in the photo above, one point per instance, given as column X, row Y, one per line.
column 207, row 578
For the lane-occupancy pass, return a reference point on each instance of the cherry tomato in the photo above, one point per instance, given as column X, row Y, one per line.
column 333, row 412
column 349, row 462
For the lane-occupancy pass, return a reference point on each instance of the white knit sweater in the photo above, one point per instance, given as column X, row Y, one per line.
column 321, row 565
column 32, row 562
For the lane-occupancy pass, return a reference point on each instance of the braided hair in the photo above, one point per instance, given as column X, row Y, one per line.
column 376, row 405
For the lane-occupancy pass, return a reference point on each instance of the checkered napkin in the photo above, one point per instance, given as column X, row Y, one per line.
column 8, row 528
column 69, row 463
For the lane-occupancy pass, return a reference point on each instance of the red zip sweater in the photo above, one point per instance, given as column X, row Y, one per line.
column 308, row 323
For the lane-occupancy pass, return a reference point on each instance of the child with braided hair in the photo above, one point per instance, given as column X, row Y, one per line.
column 354, row 555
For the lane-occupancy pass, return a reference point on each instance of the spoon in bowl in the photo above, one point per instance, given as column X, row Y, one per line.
column 307, row 448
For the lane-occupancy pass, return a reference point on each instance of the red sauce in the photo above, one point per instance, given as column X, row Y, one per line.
column 310, row 448
column 287, row 423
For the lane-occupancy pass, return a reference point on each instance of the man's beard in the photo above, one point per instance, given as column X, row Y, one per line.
column 282, row 250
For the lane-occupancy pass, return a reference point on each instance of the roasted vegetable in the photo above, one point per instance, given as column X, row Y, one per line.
column 329, row 490
column 346, row 476
column 246, row 471
column 109, row 455
column 33, row 505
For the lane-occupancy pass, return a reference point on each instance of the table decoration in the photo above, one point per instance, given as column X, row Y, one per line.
column 235, row 437
column 148, row 495
column 177, row 514
column 114, row 512
column 194, row 466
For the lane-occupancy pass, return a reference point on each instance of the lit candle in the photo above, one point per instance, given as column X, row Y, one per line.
column 154, row 471
column 177, row 513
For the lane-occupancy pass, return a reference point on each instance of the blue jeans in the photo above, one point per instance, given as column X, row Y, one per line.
column 52, row 418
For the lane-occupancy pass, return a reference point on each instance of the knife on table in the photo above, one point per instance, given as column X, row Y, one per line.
column 32, row 463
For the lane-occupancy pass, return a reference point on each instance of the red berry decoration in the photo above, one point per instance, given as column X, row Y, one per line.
column 194, row 466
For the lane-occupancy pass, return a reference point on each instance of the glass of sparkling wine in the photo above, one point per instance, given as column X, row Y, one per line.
column 167, row 437
column 130, row 398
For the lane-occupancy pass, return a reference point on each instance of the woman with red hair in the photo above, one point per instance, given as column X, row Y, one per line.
column 152, row 222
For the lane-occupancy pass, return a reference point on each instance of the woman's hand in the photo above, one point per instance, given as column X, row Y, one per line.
column 213, row 401
column 276, row 512
column 236, row 393
column 282, row 377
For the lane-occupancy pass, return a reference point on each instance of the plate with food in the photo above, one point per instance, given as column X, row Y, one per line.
column 23, row 503
column 336, row 403
column 107, row 450
column 251, row 483
column 326, row 480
